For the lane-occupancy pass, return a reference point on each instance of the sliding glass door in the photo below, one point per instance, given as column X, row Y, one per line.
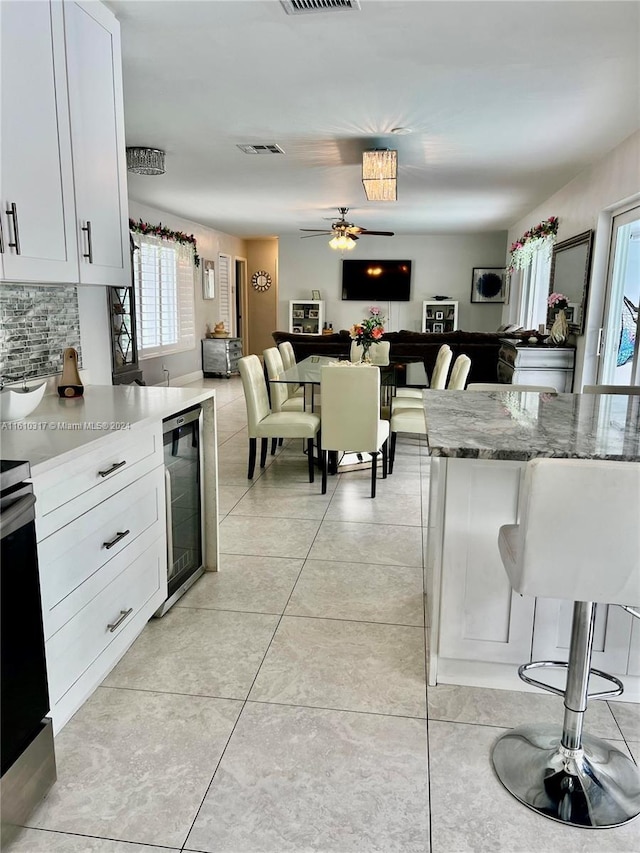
column 619, row 352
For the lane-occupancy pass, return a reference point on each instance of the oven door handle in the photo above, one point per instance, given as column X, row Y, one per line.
column 169, row 516
column 13, row 518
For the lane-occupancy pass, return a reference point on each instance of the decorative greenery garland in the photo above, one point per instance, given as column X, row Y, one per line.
column 141, row 227
column 522, row 250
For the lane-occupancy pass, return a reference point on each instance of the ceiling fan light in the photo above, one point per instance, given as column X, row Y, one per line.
column 145, row 161
column 342, row 242
column 379, row 174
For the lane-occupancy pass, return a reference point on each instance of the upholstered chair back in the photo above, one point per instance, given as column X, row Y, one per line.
column 459, row 373
column 578, row 536
column 350, row 407
column 274, row 366
column 438, row 379
column 378, row 352
column 287, row 353
column 255, row 391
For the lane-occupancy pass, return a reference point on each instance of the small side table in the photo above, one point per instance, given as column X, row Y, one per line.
column 220, row 356
column 536, row 364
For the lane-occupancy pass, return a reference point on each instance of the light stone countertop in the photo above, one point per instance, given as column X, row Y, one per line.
column 522, row 425
column 59, row 427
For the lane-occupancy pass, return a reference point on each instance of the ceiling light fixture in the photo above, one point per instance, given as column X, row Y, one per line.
column 342, row 242
column 379, row 174
column 145, row 161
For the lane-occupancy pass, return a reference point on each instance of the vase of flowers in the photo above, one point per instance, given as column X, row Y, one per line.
column 559, row 333
column 368, row 331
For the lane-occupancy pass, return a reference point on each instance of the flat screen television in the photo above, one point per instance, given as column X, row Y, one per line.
column 376, row 281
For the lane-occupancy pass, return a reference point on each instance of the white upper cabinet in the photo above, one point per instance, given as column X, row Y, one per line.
column 37, row 213
column 62, row 167
column 97, row 132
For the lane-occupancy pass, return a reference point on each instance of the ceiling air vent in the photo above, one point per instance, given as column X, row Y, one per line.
column 261, row 149
column 305, row 7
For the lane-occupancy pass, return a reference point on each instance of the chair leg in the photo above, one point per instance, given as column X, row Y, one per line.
column 385, row 459
column 274, row 444
column 280, row 440
column 323, row 456
column 392, row 452
column 252, row 457
column 310, row 455
column 374, row 468
column 263, row 452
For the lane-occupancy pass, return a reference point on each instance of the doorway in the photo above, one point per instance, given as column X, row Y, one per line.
column 240, row 307
column 619, row 353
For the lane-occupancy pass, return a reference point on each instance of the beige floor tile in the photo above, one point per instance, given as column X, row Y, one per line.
column 253, row 584
column 358, row 591
column 45, row 841
column 299, row 779
column 228, row 497
column 383, row 544
column 135, row 765
column 354, row 666
column 511, row 708
column 471, row 811
column 627, row 716
column 199, row 652
column 276, row 503
column 387, row 508
column 267, row 537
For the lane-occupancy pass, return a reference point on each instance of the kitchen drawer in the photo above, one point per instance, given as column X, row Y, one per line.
column 75, row 563
column 65, row 492
column 72, row 650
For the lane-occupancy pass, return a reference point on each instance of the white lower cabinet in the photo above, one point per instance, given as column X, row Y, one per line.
column 103, row 565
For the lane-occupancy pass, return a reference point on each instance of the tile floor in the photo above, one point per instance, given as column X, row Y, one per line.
column 281, row 705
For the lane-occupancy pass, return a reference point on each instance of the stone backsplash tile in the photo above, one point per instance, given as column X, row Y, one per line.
column 37, row 323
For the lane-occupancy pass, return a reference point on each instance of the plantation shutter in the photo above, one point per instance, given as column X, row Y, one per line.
column 163, row 281
column 225, row 292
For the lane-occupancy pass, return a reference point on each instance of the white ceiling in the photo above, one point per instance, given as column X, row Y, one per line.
column 507, row 102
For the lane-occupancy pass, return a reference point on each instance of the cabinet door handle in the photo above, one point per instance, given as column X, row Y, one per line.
column 13, row 213
column 89, row 254
column 113, row 468
column 1, row 238
column 119, row 535
column 123, row 615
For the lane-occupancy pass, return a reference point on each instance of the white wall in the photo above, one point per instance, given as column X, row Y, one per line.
column 209, row 243
column 441, row 265
column 588, row 202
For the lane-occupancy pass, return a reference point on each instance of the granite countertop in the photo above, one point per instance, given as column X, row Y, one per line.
column 60, row 427
column 522, row 425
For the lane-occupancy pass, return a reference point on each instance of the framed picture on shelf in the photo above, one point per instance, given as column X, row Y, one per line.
column 297, row 330
column 208, row 280
column 438, row 328
column 429, row 314
column 313, row 313
column 298, row 313
column 489, row 284
column 315, row 294
column 439, row 315
column 571, row 312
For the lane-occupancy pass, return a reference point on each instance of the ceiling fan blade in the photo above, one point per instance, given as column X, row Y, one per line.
column 319, row 234
column 377, row 233
column 317, row 230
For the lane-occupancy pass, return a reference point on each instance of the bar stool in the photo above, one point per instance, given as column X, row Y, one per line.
column 594, row 507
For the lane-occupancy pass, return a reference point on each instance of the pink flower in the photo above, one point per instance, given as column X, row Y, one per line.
column 374, row 310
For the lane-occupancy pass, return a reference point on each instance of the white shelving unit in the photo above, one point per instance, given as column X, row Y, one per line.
column 306, row 316
column 440, row 315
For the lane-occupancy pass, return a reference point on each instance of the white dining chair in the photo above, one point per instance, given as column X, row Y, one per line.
column 459, row 373
column 405, row 420
column 279, row 395
column 264, row 424
column 438, row 382
column 611, row 389
column 416, row 393
column 351, row 415
column 289, row 360
column 378, row 353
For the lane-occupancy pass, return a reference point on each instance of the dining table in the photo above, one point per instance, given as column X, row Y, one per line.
column 480, row 630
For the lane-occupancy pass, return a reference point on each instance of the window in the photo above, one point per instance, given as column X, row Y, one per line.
column 163, row 281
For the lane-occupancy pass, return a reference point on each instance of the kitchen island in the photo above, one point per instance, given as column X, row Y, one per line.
column 479, row 631
column 97, row 465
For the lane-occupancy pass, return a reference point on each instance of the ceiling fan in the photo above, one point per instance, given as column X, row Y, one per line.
column 344, row 229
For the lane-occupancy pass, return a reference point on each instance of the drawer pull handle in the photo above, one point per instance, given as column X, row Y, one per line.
column 123, row 615
column 13, row 213
column 115, row 541
column 89, row 253
column 113, row 468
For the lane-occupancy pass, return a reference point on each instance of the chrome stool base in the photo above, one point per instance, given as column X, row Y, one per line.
column 595, row 786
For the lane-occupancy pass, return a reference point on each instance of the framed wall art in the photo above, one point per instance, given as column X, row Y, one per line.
column 208, row 280
column 489, row 284
column 315, row 294
column 437, row 328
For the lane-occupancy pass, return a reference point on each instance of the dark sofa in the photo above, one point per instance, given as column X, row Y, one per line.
column 481, row 347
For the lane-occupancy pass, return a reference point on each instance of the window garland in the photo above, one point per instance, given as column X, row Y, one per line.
column 522, row 251
column 164, row 233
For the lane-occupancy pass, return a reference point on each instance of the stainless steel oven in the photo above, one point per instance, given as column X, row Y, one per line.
column 184, row 502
